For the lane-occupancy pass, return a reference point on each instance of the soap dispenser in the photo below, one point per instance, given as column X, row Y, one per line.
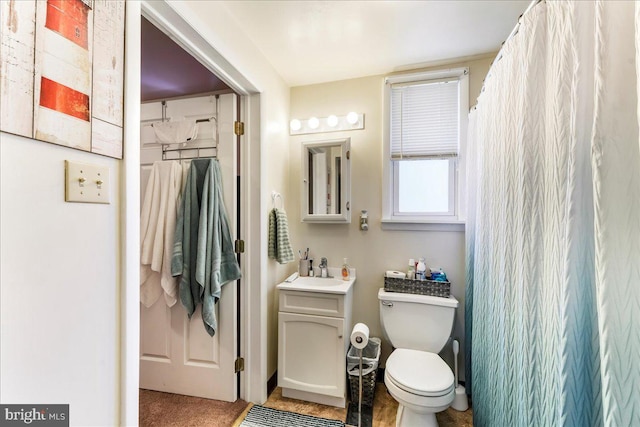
column 345, row 270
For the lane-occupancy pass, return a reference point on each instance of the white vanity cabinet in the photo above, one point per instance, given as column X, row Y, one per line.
column 313, row 339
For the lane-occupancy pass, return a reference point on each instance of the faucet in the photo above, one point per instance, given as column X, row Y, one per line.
column 324, row 271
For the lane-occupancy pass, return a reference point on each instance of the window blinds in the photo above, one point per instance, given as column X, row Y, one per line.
column 425, row 119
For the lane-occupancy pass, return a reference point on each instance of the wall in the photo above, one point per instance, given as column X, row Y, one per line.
column 276, row 160
column 59, row 299
column 375, row 251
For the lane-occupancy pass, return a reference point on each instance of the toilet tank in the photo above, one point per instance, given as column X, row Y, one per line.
column 417, row 322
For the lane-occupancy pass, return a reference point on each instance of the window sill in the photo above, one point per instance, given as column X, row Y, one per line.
column 422, row 225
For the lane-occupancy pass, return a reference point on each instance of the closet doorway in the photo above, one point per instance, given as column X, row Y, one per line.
column 177, row 355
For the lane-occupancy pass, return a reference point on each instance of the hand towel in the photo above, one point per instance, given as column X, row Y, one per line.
column 157, row 225
column 279, row 244
column 203, row 252
column 176, row 132
column 271, row 251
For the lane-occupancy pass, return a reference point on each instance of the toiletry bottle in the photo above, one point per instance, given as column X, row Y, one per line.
column 345, row 270
column 421, row 270
column 411, row 270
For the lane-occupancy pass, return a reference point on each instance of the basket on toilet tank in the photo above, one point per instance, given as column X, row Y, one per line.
column 420, row 287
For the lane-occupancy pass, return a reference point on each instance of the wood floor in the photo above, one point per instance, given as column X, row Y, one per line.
column 384, row 410
column 172, row 410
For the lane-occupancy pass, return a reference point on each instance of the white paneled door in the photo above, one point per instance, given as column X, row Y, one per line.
column 176, row 353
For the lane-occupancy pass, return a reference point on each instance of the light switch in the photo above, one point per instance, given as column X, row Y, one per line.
column 86, row 183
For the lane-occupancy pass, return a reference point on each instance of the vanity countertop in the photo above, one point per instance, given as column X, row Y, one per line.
column 331, row 285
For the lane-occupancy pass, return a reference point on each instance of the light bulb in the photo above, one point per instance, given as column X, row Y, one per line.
column 332, row 121
column 313, row 123
column 295, row 124
column 352, row 118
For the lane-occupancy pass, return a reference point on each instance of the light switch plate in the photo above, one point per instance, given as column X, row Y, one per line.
column 86, row 183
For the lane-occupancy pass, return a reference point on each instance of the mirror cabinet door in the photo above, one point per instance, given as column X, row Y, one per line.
column 325, row 189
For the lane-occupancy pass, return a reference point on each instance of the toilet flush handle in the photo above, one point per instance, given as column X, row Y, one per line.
column 387, row 303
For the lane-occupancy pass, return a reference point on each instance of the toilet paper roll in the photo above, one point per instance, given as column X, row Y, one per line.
column 360, row 336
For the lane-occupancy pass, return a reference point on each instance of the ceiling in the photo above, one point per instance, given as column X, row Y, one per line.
column 167, row 71
column 310, row 42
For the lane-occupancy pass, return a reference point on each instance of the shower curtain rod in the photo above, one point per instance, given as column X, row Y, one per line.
column 511, row 34
column 517, row 26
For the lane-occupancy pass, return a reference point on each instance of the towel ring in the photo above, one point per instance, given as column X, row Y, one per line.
column 275, row 195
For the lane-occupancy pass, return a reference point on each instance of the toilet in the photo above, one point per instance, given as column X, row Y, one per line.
column 418, row 327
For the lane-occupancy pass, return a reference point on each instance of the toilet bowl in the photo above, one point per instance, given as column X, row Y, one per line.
column 418, row 327
column 422, row 384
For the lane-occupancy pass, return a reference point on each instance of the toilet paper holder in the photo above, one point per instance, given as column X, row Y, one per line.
column 360, row 339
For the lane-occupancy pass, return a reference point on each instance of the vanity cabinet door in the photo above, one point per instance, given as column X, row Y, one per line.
column 311, row 353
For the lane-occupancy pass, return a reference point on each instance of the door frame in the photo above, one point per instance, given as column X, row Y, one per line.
column 253, row 381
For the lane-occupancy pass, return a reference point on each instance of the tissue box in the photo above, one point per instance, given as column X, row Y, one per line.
column 395, row 274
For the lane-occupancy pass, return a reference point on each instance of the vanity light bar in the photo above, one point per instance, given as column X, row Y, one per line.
column 352, row 121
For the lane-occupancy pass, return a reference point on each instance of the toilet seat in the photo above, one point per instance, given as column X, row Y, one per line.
column 420, row 373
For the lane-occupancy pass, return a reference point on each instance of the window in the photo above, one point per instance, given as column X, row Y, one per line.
column 426, row 117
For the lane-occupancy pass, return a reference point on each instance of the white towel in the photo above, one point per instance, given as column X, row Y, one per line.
column 157, row 227
column 176, row 132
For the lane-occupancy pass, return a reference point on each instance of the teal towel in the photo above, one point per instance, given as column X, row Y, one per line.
column 203, row 252
column 279, row 245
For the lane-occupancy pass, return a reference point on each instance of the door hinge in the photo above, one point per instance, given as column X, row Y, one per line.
column 348, row 154
column 239, row 247
column 239, row 366
column 238, row 128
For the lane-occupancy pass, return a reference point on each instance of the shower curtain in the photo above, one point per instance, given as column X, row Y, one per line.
column 553, row 229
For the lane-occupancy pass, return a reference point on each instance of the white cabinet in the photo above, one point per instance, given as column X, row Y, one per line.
column 312, row 352
column 313, row 339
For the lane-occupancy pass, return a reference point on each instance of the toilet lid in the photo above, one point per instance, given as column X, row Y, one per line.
column 419, row 372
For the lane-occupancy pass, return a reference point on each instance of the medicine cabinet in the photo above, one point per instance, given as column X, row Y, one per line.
column 326, row 181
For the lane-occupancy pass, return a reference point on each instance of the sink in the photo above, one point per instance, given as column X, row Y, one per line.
column 333, row 285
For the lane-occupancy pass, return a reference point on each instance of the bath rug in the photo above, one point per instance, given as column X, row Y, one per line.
column 259, row 416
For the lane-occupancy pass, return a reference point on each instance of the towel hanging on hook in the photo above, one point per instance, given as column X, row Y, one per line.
column 279, row 246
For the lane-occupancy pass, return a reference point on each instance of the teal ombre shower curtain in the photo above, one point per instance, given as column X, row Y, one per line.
column 553, row 229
